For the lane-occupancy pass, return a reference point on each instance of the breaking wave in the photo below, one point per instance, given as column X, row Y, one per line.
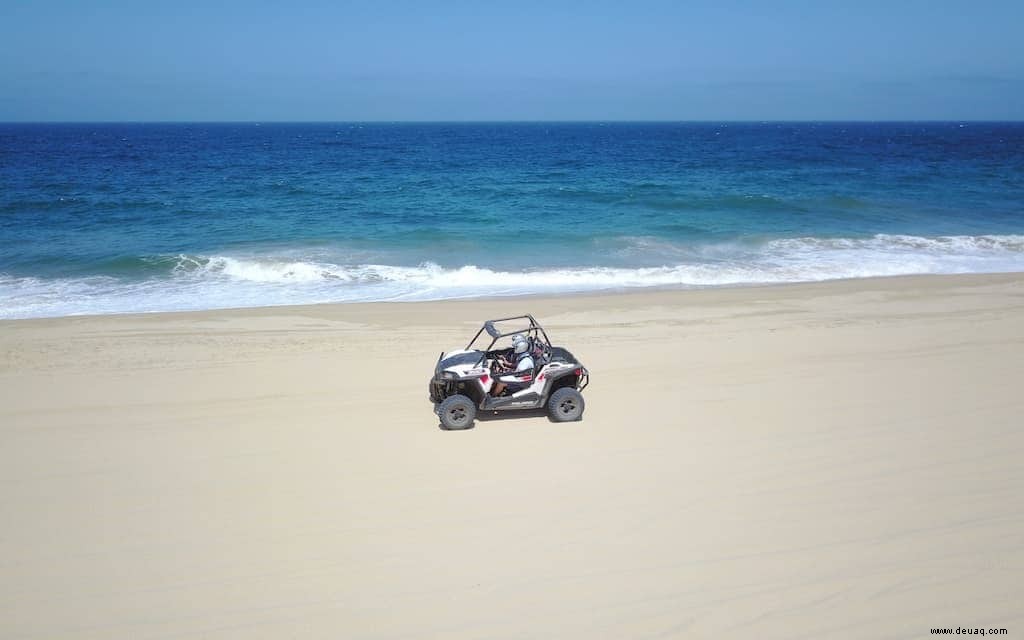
column 219, row 281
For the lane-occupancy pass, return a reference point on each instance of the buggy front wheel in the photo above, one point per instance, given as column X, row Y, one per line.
column 457, row 412
column 565, row 405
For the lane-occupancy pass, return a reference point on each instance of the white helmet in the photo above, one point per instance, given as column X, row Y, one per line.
column 519, row 344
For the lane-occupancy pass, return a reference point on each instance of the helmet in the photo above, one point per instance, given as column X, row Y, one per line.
column 519, row 344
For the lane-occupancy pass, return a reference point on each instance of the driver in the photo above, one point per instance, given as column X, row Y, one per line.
column 522, row 375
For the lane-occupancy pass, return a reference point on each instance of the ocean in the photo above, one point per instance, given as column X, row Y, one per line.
column 115, row 218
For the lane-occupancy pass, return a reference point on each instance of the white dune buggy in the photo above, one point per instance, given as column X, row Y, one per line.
column 465, row 379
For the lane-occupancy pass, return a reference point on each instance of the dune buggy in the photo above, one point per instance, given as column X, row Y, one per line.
column 467, row 380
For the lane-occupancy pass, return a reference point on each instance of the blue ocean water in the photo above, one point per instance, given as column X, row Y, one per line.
column 108, row 218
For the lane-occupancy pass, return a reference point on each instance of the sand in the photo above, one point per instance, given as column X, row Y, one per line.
column 842, row 460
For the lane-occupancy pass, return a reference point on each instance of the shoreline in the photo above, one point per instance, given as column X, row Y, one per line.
column 966, row 279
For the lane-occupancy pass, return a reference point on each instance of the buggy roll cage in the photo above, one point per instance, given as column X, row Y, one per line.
column 534, row 332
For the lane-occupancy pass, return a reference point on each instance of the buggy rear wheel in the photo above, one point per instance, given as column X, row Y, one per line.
column 565, row 405
column 457, row 412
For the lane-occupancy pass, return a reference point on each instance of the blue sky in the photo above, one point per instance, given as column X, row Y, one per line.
column 386, row 60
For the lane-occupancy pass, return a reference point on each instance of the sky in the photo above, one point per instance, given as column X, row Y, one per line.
column 134, row 60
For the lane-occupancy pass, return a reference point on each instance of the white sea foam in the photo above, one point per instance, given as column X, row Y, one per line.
column 218, row 281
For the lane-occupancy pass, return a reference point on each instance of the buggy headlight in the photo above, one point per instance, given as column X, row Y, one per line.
column 448, row 375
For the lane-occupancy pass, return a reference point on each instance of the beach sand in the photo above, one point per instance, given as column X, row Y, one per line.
column 839, row 459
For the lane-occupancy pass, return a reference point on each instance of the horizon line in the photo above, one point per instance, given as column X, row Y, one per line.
column 582, row 121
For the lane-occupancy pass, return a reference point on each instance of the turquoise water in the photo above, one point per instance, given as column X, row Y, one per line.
column 114, row 218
